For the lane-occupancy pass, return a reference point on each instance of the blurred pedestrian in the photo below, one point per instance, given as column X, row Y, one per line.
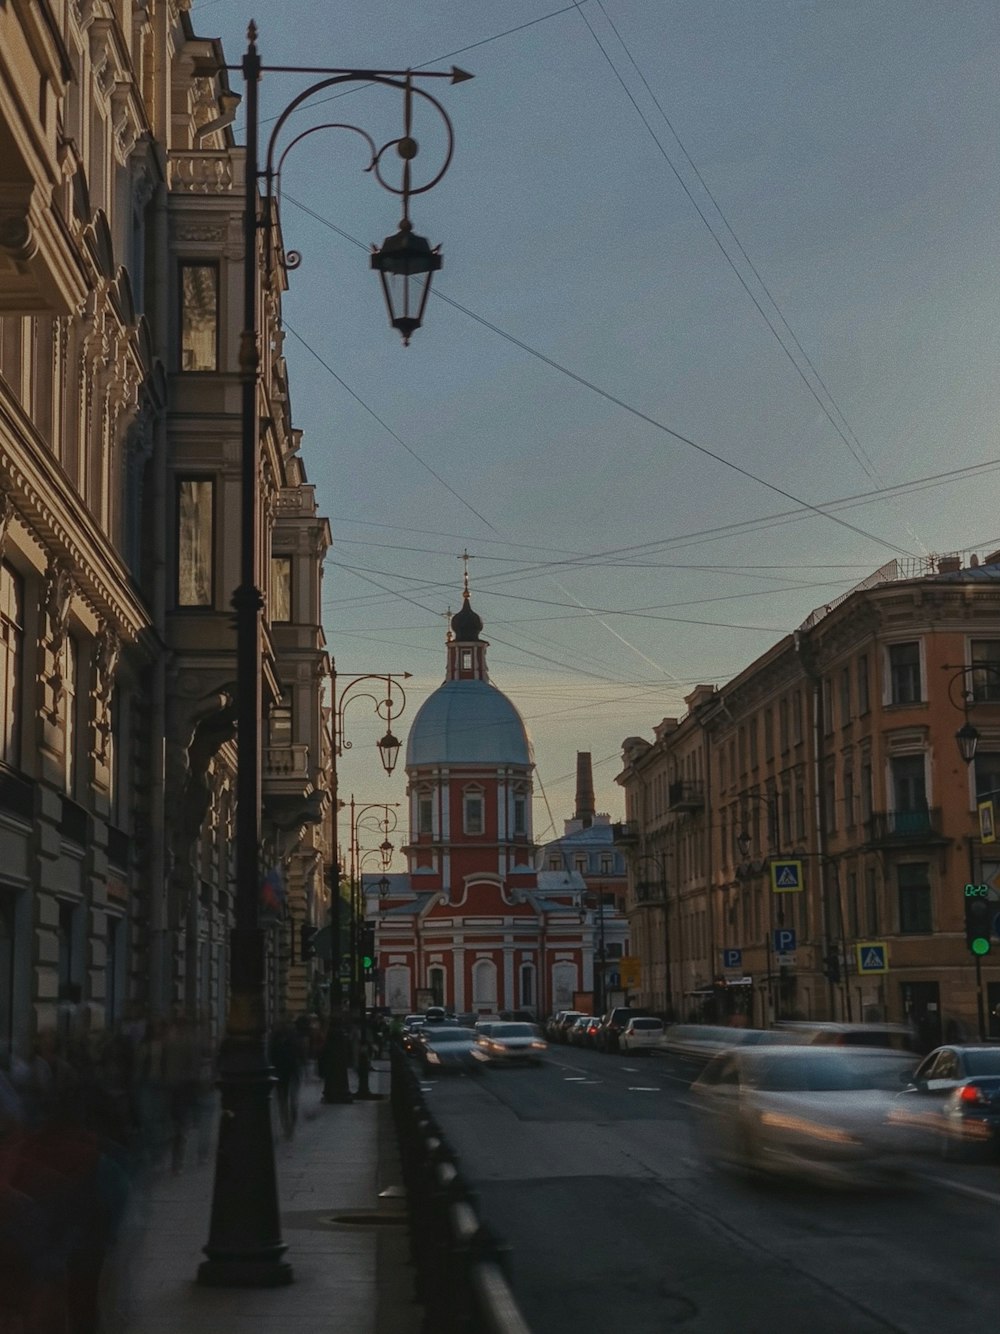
column 286, row 1054
column 334, row 1061
column 180, row 1081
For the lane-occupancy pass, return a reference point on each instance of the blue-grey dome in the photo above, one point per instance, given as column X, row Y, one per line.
column 468, row 722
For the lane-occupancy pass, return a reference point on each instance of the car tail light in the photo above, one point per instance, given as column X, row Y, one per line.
column 971, row 1095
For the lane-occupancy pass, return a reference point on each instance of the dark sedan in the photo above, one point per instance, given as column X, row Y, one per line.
column 954, row 1097
column 448, row 1049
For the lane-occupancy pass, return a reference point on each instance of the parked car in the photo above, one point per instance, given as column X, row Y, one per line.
column 954, row 1100
column 448, row 1049
column 820, row 1113
column 641, row 1033
column 509, row 1042
column 576, row 1033
column 591, row 1031
column 559, row 1025
column 611, row 1027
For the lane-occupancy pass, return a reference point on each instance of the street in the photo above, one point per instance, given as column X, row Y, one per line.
column 587, row 1168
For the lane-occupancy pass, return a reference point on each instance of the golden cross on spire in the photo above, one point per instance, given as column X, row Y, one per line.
column 465, row 558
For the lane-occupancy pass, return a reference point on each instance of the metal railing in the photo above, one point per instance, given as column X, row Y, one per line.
column 893, row 826
column 462, row 1269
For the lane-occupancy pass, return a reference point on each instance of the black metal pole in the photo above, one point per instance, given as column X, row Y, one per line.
column 245, row 1248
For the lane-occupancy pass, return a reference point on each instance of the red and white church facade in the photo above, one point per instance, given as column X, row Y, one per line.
column 473, row 924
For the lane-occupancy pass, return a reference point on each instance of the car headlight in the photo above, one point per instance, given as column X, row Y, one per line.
column 813, row 1129
column 433, row 1058
column 539, row 1046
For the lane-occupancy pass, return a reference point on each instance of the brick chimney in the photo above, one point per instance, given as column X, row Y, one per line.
column 584, row 789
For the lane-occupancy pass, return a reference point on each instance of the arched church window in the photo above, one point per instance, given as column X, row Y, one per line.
column 472, row 811
column 484, row 985
column 435, row 979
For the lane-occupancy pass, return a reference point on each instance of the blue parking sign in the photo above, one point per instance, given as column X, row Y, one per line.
column 732, row 958
column 784, row 940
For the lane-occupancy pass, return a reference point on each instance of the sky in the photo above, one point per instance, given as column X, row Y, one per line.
column 715, row 337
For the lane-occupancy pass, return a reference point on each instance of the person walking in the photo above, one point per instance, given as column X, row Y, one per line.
column 285, row 1050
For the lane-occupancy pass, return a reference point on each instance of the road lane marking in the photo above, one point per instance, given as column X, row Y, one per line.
column 959, row 1187
column 643, row 1088
column 574, row 1079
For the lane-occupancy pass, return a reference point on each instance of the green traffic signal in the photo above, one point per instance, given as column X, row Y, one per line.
column 978, row 920
column 980, row 945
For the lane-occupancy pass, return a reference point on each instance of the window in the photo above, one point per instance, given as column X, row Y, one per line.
column 472, row 807
column 853, row 919
column 848, row 798
column 845, row 696
column 752, row 727
column 199, row 320
column 908, row 783
column 11, row 662
column 797, row 716
column 555, row 863
column 425, row 814
column 527, row 986
column 863, row 704
column 195, row 538
column 606, row 863
column 827, row 705
column 904, row 673
column 768, row 734
column 866, row 788
column 783, row 725
column 986, row 673
column 281, row 588
column 743, row 749
column 987, row 765
column 830, row 798
column 914, row 898
column 279, row 723
column 467, row 660
column 520, row 815
column 580, row 864
column 71, row 672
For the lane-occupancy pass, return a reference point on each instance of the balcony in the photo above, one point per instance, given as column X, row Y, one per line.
column 900, row 828
column 624, row 835
column 686, row 796
column 290, row 796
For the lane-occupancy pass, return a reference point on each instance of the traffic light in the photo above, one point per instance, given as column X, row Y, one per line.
column 367, row 946
column 831, row 966
column 978, row 920
column 307, row 941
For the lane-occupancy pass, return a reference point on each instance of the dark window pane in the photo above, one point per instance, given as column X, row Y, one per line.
column 914, row 898
column 194, row 542
column 904, row 672
column 281, row 588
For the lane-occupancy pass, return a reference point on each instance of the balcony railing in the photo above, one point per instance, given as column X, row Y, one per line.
column 918, row 826
column 685, row 795
column 286, row 761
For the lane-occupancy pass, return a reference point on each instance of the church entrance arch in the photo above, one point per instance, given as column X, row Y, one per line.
column 563, row 985
column 397, row 989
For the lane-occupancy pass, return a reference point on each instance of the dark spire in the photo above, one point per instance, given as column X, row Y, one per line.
column 584, row 789
column 465, row 624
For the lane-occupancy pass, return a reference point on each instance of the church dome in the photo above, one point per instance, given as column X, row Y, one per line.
column 466, row 624
column 468, row 722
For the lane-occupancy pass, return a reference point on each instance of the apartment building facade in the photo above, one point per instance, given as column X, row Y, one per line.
column 834, row 756
column 121, row 194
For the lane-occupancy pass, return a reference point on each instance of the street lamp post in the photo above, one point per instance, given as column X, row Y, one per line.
column 385, row 707
column 385, row 826
column 984, row 688
column 245, row 1247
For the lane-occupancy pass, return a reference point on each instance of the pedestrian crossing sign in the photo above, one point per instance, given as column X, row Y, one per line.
column 786, row 877
column 872, row 956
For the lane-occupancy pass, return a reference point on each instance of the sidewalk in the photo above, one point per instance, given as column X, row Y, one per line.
column 350, row 1276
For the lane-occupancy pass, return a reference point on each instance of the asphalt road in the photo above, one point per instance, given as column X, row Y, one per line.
column 587, row 1167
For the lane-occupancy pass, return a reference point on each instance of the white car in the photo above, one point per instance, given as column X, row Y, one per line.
column 822, row 1113
column 642, row 1034
column 508, row 1042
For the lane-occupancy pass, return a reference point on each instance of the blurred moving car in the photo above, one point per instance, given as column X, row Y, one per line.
column 448, row 1049
column 506, row 1043
column 700, row 1041
column 642, row 1034
column 895, row 1036
column 820, row 1113
column 954, row 1099
column 591, row 1032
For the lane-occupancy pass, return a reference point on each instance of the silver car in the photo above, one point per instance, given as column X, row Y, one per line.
column 509, row 1042
column 821, row 1113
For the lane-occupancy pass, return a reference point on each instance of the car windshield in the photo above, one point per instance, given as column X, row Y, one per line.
column 440, row 1037
column 983, row 1062
column 646, row 1023
column 512, row 1031
column 840, row 1072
